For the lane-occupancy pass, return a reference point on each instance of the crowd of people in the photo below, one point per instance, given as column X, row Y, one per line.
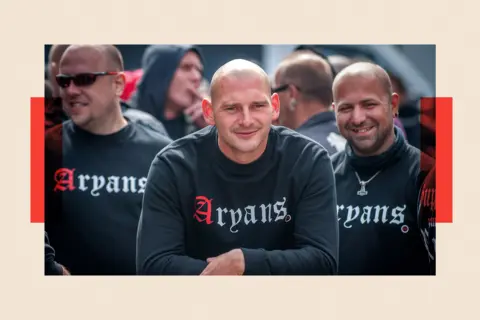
column 159, row 171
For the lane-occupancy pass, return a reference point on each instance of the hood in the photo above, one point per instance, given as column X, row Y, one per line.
column 159, row 64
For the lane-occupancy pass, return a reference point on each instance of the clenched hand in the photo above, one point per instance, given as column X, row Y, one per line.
column 231, row 263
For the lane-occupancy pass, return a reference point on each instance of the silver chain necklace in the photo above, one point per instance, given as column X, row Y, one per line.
column 363, row 192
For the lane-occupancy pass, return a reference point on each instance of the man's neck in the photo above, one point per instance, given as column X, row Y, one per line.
column 109, row 125
column 308, row 110
column 389, row 141
column 242, row 157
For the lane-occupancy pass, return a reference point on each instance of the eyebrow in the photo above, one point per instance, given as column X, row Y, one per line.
column 361, row 101
column 235, row 104
column 368, row 100
column 229, row 104
column 260, row 102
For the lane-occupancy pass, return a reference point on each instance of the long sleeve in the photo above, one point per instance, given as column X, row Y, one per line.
column 160, row 238
column 51, row 266
column 315, row 234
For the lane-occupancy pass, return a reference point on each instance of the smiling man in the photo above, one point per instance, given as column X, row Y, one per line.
column 378, row 179
column 239, row 197
column 96, row 166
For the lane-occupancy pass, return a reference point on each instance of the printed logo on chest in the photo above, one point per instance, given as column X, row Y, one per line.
column 206, row 212
column 66, row 179
column 350, row 215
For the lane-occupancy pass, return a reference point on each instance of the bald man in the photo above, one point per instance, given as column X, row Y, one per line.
column 304, row 86
column 239, row 197
column 340, row 62
column 378, row 178
column 96, row 166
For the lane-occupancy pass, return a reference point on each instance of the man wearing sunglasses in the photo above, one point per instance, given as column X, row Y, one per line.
column 240, row 197
column 304, row 85
column 54, row 113
column 96, row 166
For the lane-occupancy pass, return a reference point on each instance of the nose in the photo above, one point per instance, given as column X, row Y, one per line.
column 246, row 117
column 358, row 116
column 71, row 90
column 196, row 76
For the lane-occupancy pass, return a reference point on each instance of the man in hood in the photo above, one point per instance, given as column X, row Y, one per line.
column 168, row 89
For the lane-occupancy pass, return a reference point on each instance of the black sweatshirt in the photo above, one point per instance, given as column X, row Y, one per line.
column 280, row 209
column 94, row 188
column 379, row 232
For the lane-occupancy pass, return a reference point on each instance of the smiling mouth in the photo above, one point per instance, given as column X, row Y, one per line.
column 246, row 133
column 362, row 130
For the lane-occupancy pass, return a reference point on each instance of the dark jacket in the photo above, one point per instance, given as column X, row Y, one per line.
column 159, row 64
column 378, row 224
column 322, row 128
column 138, row 116
column 52, row 268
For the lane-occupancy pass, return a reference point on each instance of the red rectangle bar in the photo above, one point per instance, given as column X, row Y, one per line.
column 436, row 121
column 444, row 156
column 37, row 160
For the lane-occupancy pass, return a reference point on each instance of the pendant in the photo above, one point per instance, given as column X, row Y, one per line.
column 362, row 192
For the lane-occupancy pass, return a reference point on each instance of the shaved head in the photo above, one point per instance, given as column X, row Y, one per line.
column 242, row 108
column 110, row 54
column 365, row 70
column 365, row 107
column 340, row 62
column 309, row 72
column 237, row 69
column 54, row 56
column 93, row 100
column 56, row 52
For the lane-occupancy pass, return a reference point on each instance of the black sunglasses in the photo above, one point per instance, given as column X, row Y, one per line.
column 81, row 79
column 280, row 89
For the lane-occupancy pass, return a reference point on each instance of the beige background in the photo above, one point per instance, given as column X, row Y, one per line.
column 27, row 26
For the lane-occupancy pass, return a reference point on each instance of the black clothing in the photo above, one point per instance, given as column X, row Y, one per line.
column 94, row 189
column 279, row 209
column 379, row 233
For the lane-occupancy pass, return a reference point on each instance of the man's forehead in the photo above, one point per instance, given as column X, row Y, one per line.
column 357, row 81
column 364, row 81
column 238, row 81
column 231, row 88
column 243, row 82
column 83, row 56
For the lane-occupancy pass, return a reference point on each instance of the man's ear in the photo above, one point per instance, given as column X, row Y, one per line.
column 52, row 71
column 120, row 81
column 275, row 106
column 208, row 112
column 395, row 104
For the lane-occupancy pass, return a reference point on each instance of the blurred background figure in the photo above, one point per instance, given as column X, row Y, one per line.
column 54, row 113
column 168, row 88
column 339, row 62
column 303, row 82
